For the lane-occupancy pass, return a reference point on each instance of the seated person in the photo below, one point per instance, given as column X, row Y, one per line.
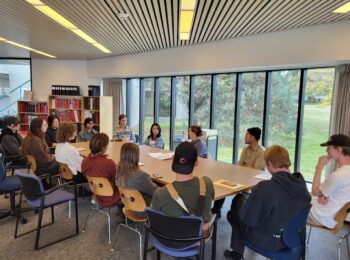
column 129, row 174
column 252, row 156
column 334, row 192
column 67, row 153
column 122, row 132
column 50, row 135
column 261, row 216
column 34, row 144
column 186, row 185
column 11, row 141
column 194, row 134
column 98, row 165
column 155, row 138
column 88, row 132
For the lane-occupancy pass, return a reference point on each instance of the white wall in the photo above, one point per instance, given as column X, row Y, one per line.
column 59, row 72
column 319, row 45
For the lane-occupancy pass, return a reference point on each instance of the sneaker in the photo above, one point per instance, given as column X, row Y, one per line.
column 93, row 201
column 232, row 254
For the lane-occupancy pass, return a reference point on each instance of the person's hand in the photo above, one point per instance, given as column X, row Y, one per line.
column 323, row 200
column 323, row 161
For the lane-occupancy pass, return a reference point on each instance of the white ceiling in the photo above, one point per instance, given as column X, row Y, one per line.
column 152, row 25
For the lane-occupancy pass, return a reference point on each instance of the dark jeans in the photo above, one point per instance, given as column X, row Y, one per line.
column 218, row 206
column 237, row 236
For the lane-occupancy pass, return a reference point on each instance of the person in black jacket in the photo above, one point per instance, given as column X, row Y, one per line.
column 261, row 217
column 50, row 135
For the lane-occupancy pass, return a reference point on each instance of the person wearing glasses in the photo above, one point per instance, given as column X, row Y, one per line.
column 88, row 132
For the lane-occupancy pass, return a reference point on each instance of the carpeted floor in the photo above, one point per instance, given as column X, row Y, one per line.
column 93, row 242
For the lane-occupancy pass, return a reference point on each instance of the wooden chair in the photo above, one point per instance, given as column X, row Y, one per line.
column 32, row 167
column 133, row 203
column 100, row 186
column 340, row 219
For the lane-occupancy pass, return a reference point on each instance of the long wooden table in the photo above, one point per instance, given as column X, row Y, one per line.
column 213, row 169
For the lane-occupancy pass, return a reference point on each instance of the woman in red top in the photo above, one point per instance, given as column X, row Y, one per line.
column 98, row 165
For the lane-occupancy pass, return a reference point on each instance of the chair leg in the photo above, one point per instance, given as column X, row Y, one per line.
column 109, row 227
column 52, row 214
column 18, row 213
column 201, row 250
column 145, row 246
column 69, row 209
column 158, row 254
column 37, row 237
column 308, row 237
column 347, row 244
column 213, row 249
column 76, row 212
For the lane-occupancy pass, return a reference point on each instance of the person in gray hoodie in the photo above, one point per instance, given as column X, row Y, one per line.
column 261, row 217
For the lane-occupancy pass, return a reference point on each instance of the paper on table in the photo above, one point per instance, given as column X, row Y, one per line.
column 263, row 176
column 81, row 149
column 141, row 164
column 162, row 156
column 228, row 185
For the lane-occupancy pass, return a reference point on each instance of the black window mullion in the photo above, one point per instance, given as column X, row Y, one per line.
column 265, row 132
column 172, row 110
column 128, row 100
column 214, row 86
column 300, row 119
column 156, row 100
column 192, row 100
column 142, row 108
column 237, row 117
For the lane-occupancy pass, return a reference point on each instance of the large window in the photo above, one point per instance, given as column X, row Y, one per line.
column 231, row 103
column 149, row 105
column 134, row 113
column 252, row 104
column 284, row 109
column 182, row 107
column 318, row 96
column 225, row 114
column 14, row 80
column 164, row 109
column 201, row 115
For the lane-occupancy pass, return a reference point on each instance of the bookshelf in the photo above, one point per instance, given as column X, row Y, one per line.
column 100, row 109
column 67, row 108
column 27, row 110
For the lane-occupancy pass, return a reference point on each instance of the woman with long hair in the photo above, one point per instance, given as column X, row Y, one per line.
column 34, row 144
column 155, row 138
column 129, row 174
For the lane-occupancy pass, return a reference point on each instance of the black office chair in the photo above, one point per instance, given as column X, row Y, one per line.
column 13, row 163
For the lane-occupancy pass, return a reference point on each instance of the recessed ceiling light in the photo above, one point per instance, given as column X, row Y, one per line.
column 67, row 24
column 186, row 18
column 26, row 47
column 343, row 9
column 123, row 16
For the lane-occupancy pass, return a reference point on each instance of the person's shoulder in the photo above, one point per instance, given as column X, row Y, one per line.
column 261, row 148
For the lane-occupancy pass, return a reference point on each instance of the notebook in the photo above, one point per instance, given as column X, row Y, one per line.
column 229, row 185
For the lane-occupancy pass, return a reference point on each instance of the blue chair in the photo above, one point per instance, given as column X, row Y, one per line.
column 293, row 237
column 177, row 236
column 39, row 199
column 9, row 185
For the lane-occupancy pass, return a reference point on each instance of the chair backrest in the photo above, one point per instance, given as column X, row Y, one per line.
column 2, row 171
column 212, row 143
column 32, row 186
column 292, row 236
column 132, row 199
column 66, row 172
column 2, row 153
column 340, row 218
column 100, row 186
column 32, row 162
column 174, row 232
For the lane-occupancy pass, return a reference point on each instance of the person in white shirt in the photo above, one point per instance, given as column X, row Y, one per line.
column 334, row 192
column 67, row 153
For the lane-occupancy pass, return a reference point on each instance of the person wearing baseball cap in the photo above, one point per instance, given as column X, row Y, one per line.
column 186, row 186
column 334, row 192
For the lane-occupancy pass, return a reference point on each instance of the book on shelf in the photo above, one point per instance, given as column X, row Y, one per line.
column 25, row 107
column 95, row 115
column 92, row 103
column 65, row 90
column 25, row 119
column 65, row 103
column 69, row 116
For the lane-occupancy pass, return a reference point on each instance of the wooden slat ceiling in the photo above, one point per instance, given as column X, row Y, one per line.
column 152, row 24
